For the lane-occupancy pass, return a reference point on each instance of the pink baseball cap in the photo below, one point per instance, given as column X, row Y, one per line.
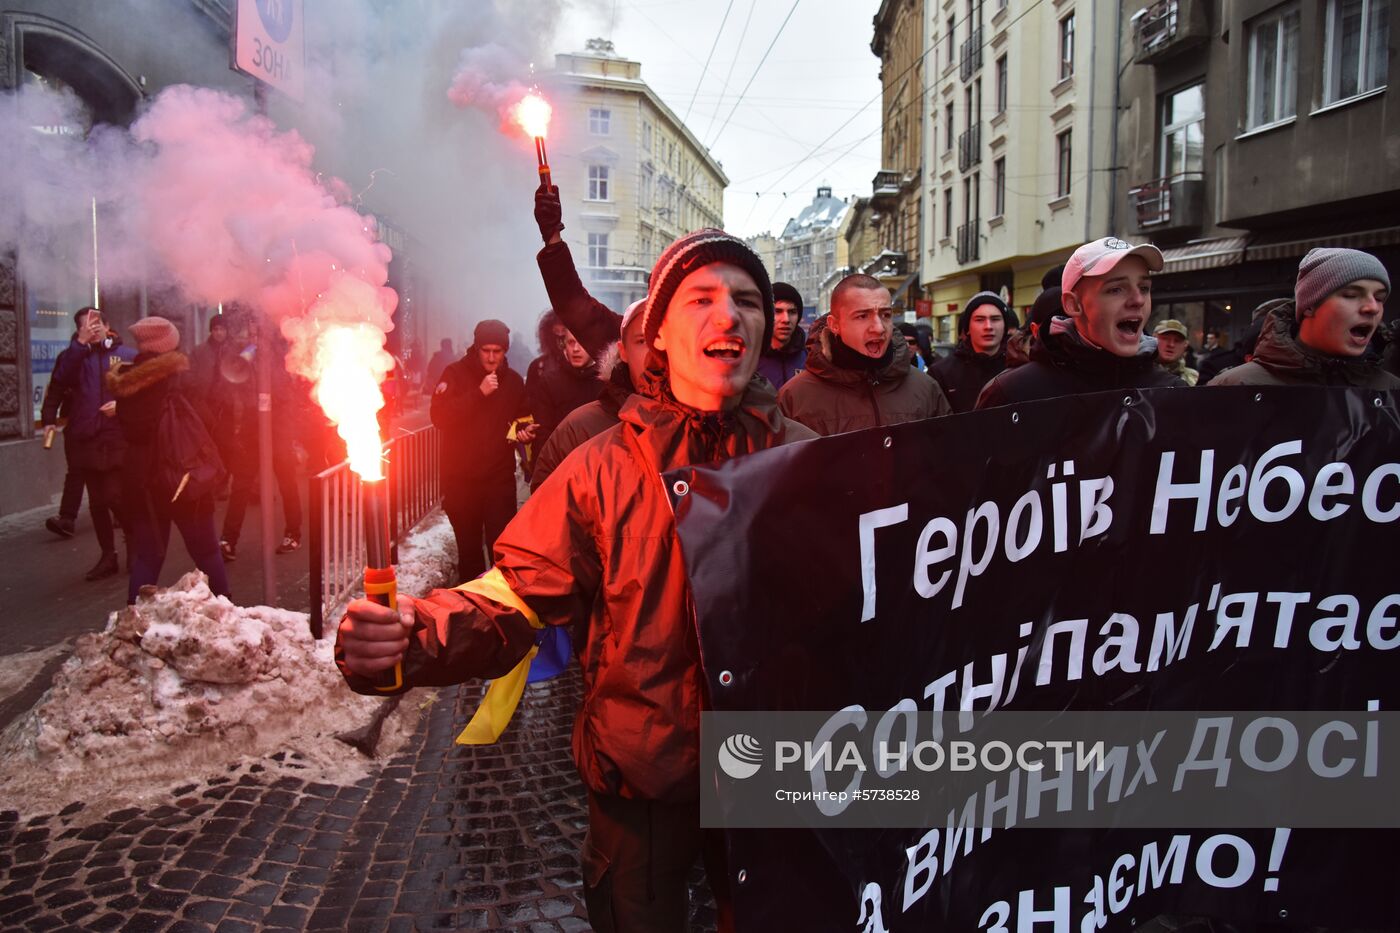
column 1100, row 256
column 634, row 309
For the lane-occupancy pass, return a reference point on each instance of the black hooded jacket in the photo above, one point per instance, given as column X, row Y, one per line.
column 474, row 444
column 1062, row 363
column 962, row 373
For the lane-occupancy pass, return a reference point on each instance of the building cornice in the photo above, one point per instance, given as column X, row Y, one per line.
column 640, row 87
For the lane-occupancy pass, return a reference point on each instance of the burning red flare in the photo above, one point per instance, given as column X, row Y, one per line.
column 339, row 345
column 532, row 114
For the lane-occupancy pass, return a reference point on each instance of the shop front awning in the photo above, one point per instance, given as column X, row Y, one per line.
column 1287, row 245
column 1205, row 254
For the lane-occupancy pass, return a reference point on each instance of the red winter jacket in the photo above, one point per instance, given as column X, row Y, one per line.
column 597, row 546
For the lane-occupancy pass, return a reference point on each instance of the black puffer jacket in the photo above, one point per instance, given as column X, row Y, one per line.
column 962, row 373
column 1062, row 363
column 582, row 423
column 556, row 388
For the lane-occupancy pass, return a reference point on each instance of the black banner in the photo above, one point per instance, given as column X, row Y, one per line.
column 1217, row 549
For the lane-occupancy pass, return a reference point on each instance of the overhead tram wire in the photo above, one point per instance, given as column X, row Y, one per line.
column 708, row 59
column 908, row 68
column 766, row 53
column 724, row 88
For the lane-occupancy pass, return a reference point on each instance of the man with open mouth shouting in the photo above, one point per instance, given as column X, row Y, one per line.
column 857, row 376
column 1098, row 343
column 595, row 547
column 1321, row 337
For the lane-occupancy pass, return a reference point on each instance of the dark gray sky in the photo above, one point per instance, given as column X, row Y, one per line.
column 778, row 145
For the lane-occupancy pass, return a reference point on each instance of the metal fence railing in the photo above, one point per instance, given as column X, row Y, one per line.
column 337, row 543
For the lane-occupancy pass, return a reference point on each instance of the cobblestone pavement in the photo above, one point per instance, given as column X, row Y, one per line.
column 442, row 837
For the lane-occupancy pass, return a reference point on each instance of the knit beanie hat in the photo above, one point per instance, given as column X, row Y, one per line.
column 1326, row 269
column 782, row 291
column 492, row 333
column 1045, row 307
column 155, row 335
column 691, row 252
column 977, row 301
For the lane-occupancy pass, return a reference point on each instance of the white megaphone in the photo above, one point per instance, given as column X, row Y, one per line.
column 238, row 367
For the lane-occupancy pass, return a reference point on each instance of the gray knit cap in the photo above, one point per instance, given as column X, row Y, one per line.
column 1326, row 269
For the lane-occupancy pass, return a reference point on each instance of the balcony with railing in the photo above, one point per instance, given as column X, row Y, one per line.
column 970, row 147
column 968, row 242
column 885, row 187
column 970, row 55
column 1168, row 27
column 1176, row 202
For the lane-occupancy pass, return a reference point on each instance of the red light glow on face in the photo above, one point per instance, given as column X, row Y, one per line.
column 532, row 114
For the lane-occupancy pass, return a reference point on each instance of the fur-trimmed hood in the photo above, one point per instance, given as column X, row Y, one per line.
column 129, row 378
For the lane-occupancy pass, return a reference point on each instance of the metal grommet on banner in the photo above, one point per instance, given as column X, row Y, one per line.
column 1259, row 396
column 889, row 442
column 725, row 678
column 681, row 487
column 1127, row 400
column 1283, row 914
column 1377, row 402
column 743, row 875
column 1015, row 417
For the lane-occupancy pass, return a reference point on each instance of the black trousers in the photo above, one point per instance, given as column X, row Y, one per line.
column 479, row 512
column 104, row 489
column 245, row 480
column 636, row 859
column 72, row 495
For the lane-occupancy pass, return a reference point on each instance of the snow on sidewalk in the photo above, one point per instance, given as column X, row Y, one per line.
column 185, row 683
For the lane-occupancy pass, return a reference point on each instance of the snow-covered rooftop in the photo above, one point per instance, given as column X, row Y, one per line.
column 824, row 211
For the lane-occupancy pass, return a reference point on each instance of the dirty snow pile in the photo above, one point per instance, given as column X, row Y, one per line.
column 184, row 682
column 427, row 557
column 179, row 683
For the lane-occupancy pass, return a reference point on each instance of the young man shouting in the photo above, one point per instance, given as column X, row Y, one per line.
column 1098, row 343
column 857, row 376
column 596, row 545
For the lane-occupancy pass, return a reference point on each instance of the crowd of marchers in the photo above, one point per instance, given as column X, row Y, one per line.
column 157, row 438
column 712, row 364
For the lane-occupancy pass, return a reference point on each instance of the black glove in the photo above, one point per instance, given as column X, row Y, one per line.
column 549, row 213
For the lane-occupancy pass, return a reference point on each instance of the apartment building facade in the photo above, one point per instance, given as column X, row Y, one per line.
column 1249, row 134
column 1018, row 130
column 631, row 174
column 895, row 203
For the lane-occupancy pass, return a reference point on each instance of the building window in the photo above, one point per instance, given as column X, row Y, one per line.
column 1272, row 89
column 598, row 250
column 598, row 183
column 646, row 192
column 1355, row 53
column 948, row 140
column 646, row 136
column 999, row 187
column 1063, row 154
column 599, row 121
column 1183, row 131
column 1067, row 47
column 947, row 213
column 952, row 34
column 1002, row 80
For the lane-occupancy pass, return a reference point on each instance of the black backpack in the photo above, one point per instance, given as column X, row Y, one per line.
column 187, row 464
